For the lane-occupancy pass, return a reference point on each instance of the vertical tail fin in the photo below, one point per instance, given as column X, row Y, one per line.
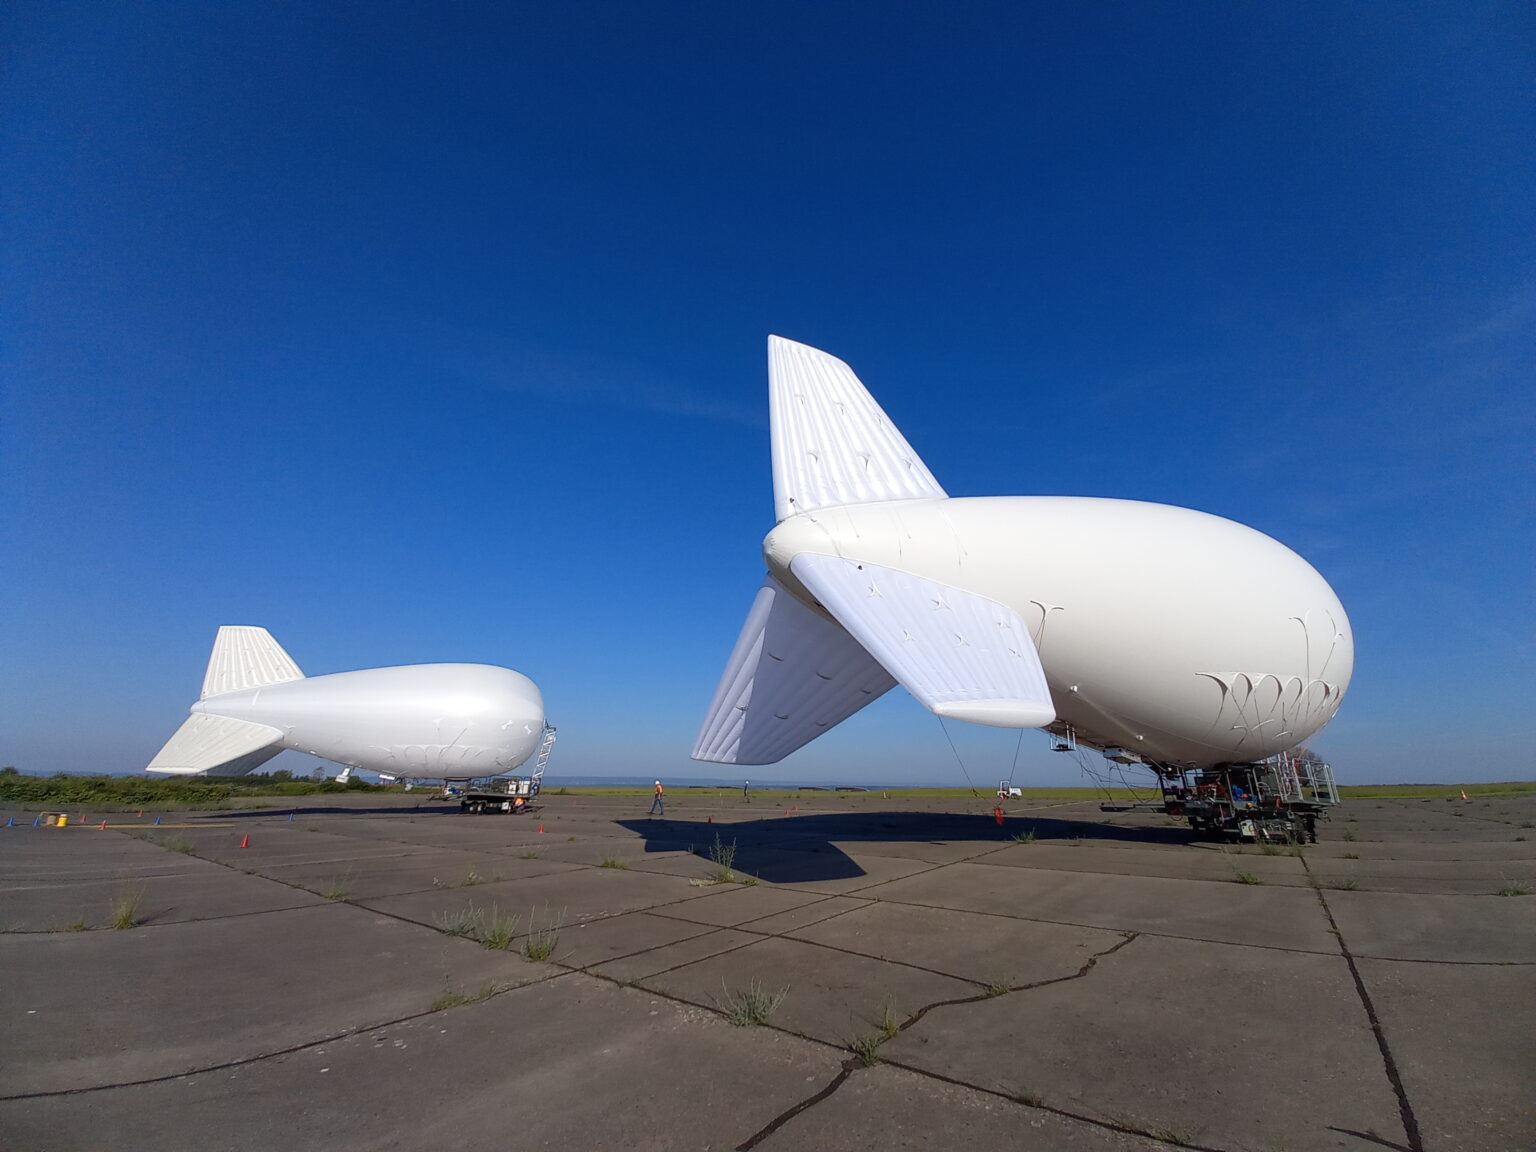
column 832, row 444
column 246, row 658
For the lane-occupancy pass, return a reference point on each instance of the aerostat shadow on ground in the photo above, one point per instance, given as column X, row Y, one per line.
column 790, row 849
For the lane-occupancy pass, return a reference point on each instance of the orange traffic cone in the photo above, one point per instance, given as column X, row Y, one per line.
column 709, row 820
column 103, row 826
column 541, row 829
column 997, row 814
column 141, row 812
column 1464, row 795
column 245, row 841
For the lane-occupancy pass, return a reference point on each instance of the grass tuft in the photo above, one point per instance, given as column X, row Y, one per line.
column 1027, row 1095
column 613, row 862
column 1351, row 855
column 540, row 943
column 528, row 856
column 1513, row 890
column 1246, row 878
column 999, row 987
column 752, row 1006
column 723, row 857
column 865, row 1049
column 338, row 888
column 489, row 927
column 125, row 907
column 1344, row 883
column 455, row 994
column 1025, row 837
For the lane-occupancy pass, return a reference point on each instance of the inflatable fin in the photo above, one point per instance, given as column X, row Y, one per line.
column 792, row 675
column 246, row 658
column 962, row 655
column 832, row 444
column 217, row 745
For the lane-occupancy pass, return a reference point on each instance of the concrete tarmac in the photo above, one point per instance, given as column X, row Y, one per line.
column 382, row 972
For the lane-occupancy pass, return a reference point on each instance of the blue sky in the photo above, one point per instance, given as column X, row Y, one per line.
column 419, row 332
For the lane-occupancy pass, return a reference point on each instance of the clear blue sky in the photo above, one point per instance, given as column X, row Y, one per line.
column 421, row 332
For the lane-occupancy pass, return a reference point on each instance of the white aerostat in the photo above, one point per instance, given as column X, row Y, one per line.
column 421, row 721
column 1160, row 634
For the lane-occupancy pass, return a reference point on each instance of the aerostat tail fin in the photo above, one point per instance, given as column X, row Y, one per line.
column 246, row 657
column 832, row 444
column 218, row 746
column 792, row 675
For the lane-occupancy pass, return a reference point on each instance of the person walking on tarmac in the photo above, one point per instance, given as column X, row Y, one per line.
column 745, row 793
column 658, row 804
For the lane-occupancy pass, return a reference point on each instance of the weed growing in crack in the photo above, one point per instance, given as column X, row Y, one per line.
column 723, row 857
column 528, row 856
column 1024, row 1094
column 125, row 907
column 1513, row 890
column 1344, row 883
column 1025, row 837
column 1000, row 987
column 753, row 1005
column 1246, row 878
column 1351, row 855
column 455, row 994
column 1348, row 834
column 339, row 887
column 613, row 862
column 176, row 844
column 489, row 927
column 540, row 943
column 887, row 1022
column 77, row 926
column 460, row 922
column 471, row 880
column 865, row 1049
column 497, row 931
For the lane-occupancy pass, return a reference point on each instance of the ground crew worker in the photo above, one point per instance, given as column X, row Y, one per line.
column 745, row 794
column 658, row 804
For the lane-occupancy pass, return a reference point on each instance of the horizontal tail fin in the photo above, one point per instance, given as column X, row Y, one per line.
column 218, row 745
column 246, row 657
column 832, row 443
column 962, row 655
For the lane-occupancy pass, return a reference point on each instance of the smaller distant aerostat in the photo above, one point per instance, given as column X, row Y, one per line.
column 453, row 722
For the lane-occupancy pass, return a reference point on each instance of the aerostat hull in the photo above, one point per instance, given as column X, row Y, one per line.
column 1182, row 637
column 424, row 721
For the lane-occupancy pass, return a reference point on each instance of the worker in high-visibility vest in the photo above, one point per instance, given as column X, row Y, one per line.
column 658, row 804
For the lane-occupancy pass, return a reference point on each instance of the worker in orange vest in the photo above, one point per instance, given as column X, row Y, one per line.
column 658, row 804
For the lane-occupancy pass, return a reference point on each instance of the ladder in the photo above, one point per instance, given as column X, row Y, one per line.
column 1287, row 780
column 544, row 750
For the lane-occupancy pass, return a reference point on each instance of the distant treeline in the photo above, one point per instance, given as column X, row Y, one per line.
column 125, row 791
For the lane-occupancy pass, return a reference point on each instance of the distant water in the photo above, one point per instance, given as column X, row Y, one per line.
column 553, row 780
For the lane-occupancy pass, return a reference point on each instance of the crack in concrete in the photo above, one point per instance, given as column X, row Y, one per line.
column 289, row 1051
column 1404, row 1106
column 853, row 1063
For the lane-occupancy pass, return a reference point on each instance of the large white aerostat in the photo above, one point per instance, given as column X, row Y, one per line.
column 1183, row 639
column 421, row 721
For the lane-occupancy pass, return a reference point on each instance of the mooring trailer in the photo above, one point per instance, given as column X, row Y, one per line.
column 1277, row 800
column 506, row 794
